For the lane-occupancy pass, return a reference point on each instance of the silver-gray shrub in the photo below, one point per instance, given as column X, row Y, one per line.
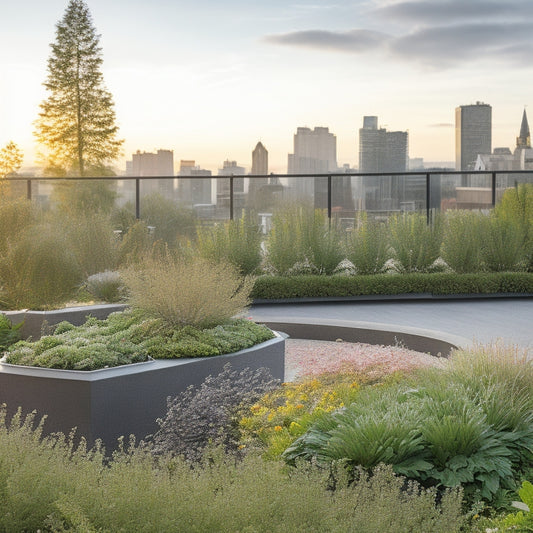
column 209, row 413
column 106, row 286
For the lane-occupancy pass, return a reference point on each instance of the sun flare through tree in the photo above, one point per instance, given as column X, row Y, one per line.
column 76, row 124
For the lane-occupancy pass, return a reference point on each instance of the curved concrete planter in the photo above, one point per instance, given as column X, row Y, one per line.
column 113, row 402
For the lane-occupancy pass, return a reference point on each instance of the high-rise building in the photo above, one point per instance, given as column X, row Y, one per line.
column 230, row 168
column 382, row 151
column 258, row 187
column 473, row 134
column 260, row 160
column 197, row 190
column 315, row 152
column 148, row 164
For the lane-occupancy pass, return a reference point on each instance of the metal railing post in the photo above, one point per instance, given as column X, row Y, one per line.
column 137, row 198
column 493, row 189
column 329, row 199
column 231, row 198
column 428, row 197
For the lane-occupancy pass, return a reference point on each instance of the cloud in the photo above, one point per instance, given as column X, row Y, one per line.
column 442, row 125
column 440, row 34
column 354, row 41
column 447, row 46
column 446, row 11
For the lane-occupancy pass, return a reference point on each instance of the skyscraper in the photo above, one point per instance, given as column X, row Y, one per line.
column 146, row 164
column 259, row 168
column 315, row 152
column 381, row 150
column 384, row 151
column 260, row 160
column 473, row 134
column 194, row 191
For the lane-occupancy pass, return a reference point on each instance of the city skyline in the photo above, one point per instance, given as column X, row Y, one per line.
column 209, row 80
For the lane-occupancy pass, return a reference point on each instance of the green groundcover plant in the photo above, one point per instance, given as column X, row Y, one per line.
column 129, row 337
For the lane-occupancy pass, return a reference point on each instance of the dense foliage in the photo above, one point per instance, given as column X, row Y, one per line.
column 469, row 424
column 308, row 286
column 49, row 485
column 128, row 337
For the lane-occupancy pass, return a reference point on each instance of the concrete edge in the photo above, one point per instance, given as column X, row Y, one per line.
column 421, row 340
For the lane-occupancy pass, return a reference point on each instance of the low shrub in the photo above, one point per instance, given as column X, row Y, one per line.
column 171, row 222
column 367, row 246
column 38, row 271
column 9, row 333
column 463, row 240
column 209, row 413
column 416, row 243
column 236, row 241
column 106, row 286
column 127, row 337
column 320, row 241
column 49, row 485
column 283, row 245
column 503, row 245
column 286, row 287
column 90, row 238
column 187, row 290
column 443, row 428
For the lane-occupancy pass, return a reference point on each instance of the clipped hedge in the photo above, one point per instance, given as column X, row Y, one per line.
column 308, row 286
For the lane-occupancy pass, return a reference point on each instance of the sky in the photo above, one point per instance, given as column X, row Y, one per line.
column 209, row 79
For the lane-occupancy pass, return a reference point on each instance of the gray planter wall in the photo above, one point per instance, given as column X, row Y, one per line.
column 109, row 403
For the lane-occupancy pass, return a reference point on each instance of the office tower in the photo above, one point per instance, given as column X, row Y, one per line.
column 230, row 168
column 315, row 152
column 260, row 160
column 382, row 151
column 150, row 164
column 195, row 191
column 144, row 164
column 257, row 188
column 473, row 134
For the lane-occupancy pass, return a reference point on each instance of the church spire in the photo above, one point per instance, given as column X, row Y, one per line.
column 524, row 140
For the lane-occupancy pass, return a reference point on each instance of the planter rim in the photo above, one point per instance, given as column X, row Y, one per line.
column 133, row 368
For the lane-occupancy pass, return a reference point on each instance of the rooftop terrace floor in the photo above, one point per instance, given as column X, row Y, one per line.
column 481, row 321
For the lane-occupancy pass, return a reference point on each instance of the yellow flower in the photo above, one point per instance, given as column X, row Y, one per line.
column 299, row 406
column 255, row 408
column 278, row 428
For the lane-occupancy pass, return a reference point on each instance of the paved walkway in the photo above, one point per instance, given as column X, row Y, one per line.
column 484, row 321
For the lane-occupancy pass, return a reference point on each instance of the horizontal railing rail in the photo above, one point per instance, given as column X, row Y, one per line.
column 428, row 176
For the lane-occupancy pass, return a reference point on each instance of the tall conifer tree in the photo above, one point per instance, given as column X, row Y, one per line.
column 77, row 120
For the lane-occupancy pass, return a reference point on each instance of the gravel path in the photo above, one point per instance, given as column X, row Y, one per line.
column 308, row 357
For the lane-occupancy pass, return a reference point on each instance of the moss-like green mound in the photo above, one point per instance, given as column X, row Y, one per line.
column 127, row 337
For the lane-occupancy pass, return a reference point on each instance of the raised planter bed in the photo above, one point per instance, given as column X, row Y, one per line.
column 109, row 403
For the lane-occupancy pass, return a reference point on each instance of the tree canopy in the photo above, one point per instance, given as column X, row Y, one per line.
column 77, row 123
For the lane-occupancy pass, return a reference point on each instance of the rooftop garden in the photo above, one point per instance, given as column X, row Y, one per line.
column 72, row 252
column 432, row 449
